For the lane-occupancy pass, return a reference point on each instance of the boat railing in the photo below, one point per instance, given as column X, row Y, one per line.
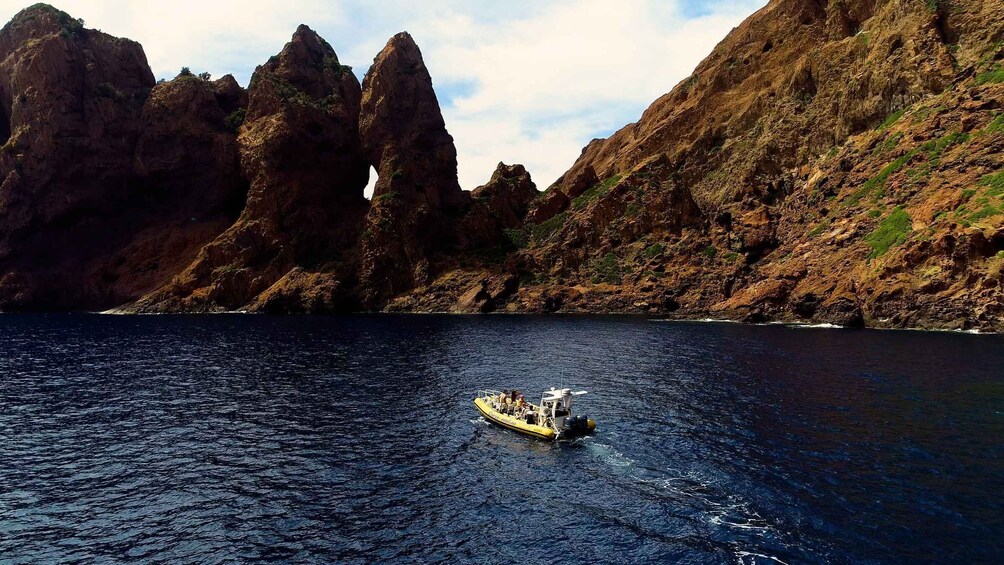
column 488, row 393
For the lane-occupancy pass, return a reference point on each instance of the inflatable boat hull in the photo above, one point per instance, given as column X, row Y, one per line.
column 521, row 426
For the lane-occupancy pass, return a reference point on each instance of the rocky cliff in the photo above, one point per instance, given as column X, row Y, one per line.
column 828, row 162
column 70, row 101
column 405, row 138
column 299, row 148
column 96, row 201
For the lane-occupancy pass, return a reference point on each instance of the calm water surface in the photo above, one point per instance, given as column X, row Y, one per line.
column 353, row 439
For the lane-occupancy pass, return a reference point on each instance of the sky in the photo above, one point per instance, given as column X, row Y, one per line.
column 520, row 81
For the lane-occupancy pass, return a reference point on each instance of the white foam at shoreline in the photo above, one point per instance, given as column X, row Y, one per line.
column 789, row 324
column 824, row 325
column 814, row 326
column 701, row 320
column 120, row 312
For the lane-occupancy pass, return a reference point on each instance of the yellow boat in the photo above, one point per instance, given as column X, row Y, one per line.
column 551, row 419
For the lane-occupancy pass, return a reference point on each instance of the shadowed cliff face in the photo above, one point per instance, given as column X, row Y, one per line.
column 76, row 230
column 497, row 206
column 404, row 137
column 186, row 153
column 299, row 147
column 71, row 99
column 186, row 182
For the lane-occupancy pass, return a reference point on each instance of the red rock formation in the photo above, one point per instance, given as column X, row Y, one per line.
column 70, row 101
column 847, row 158
column 186, row 154
column 618, row 211
column 796, row 235
column 186, row 183
column 552, row 203
column 403, row 135
column 828, row 162
column 499, row 205
column 299, row 147
column 578, row 181
column 108, row 188
column 402, row 129
column 786, row 85
column 508, row 194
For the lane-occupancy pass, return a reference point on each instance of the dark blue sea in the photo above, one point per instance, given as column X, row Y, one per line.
column 229, row 439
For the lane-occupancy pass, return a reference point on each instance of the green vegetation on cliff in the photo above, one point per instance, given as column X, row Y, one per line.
column 891, row 231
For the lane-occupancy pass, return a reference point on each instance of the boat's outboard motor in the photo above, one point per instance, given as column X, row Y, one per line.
column 577, row 423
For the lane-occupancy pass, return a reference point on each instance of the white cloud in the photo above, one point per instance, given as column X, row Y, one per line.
column 521, row 81
column 219, row 37
column 546, row 84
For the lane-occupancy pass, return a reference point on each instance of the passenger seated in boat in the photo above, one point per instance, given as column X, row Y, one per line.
column 520, row 408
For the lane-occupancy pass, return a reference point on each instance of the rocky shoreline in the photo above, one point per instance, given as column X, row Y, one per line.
column 830, row 163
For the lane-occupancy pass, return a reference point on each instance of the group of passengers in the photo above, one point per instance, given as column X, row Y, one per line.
column 512, row 403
